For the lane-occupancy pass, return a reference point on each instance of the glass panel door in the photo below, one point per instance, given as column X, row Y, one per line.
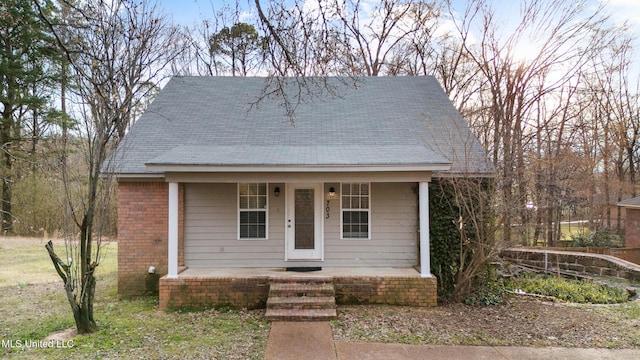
column 304, row 220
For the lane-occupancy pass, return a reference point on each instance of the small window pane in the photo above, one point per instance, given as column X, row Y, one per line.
column 355, row 189
column 262, row 202
column 355, row 203
column 244, row 231
column 346, row 189
column 364, row 203
column 364, row 189
column 244, row 202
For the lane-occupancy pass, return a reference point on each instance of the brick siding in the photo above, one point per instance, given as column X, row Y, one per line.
column 142, row 235
column 632, row 228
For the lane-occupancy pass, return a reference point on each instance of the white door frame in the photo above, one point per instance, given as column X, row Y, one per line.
column 317, row 253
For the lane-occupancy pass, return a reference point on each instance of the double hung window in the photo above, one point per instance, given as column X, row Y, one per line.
column 355, row 208
column 252, row 210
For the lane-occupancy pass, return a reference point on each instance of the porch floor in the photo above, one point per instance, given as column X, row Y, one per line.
column 281, row 272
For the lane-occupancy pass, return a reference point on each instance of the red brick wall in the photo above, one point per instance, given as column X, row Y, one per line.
column 251, row 292
column 632, row 228
column 394, row 290
column 142, row 233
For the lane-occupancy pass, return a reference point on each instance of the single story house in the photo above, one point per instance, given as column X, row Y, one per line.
column 222, row 189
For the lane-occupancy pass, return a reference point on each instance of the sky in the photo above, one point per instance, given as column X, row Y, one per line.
column 185, row 11
column 188, row 12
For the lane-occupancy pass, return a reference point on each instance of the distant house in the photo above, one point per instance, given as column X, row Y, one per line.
column 220, row 191
column 631, row 222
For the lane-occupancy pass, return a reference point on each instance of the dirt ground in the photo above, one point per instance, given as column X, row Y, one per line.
column 521, row 322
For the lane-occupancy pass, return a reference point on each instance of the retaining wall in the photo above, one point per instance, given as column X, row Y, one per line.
column 578, row 263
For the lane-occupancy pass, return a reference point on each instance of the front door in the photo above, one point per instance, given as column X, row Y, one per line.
column 304, row 222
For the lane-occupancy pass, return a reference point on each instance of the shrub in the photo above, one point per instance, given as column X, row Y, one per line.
column 600, row 238
column 577, row 291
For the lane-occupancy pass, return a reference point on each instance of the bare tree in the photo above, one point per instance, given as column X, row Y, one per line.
column 117, row 51
column 614, row 103
column 378, row 40
column 515, row 86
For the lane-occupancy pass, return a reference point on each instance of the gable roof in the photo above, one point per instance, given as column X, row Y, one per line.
column 215, row 123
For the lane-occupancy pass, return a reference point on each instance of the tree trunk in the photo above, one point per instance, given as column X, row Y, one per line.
column 7, row 178
column 82, row 309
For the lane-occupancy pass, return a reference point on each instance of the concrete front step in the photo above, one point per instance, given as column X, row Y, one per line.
column 301, row 289
column 301, row 314
column 303, row 302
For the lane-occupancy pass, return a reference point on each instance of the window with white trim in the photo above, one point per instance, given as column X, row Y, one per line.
column 355, row 211
column 252, row 210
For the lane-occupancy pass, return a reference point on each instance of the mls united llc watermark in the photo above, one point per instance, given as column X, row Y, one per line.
column 37, row 344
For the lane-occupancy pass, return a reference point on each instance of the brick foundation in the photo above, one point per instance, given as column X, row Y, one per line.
column 142, row 235
column 252, row 292
column 409, row 291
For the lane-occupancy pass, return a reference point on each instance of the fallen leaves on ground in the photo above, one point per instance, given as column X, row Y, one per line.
column 518, row 323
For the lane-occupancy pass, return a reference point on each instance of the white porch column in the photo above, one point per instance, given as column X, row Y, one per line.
column 425, row 251
column 173, row 231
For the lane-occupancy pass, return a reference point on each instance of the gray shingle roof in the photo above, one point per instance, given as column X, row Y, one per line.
column 219, row 121
column 631, row 203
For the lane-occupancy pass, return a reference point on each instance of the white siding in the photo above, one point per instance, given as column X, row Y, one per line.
column 211, row 229
column 394, row 223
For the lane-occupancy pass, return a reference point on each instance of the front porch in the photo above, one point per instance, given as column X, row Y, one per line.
column 249, row 287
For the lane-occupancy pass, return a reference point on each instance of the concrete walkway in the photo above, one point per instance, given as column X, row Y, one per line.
column 314, row 341
column 300, row 340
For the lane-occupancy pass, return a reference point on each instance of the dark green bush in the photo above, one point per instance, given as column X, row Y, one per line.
column 600, row 238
